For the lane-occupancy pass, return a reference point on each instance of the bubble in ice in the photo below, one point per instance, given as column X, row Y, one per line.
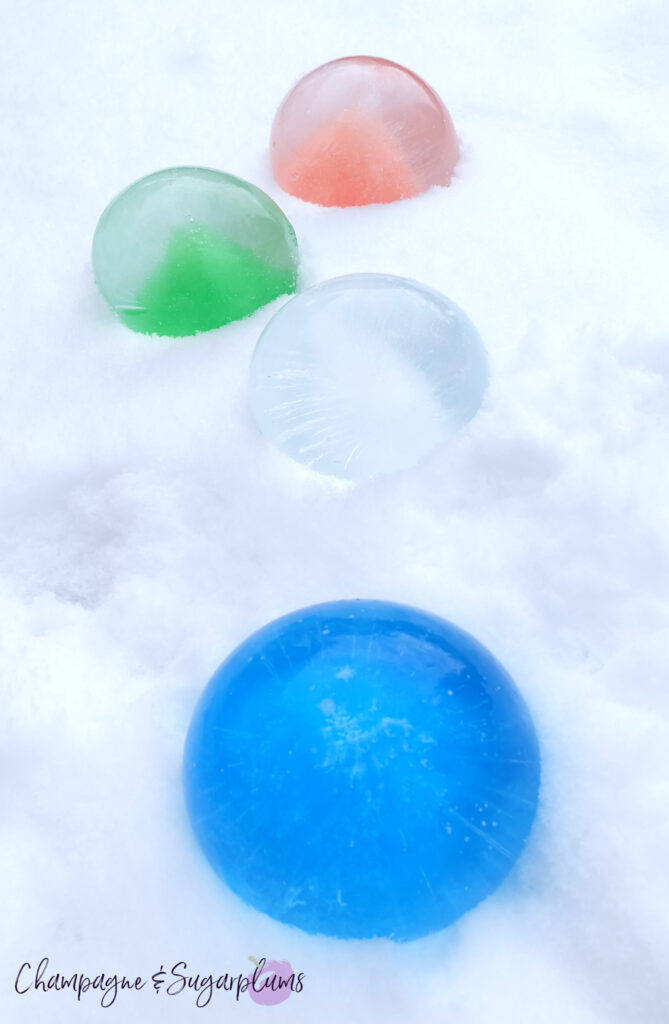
column 365, row 374
column 190, row 249
column 362, row 130
column 362, row 769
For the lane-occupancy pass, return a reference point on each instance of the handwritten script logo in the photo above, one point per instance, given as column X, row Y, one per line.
column 270, row 982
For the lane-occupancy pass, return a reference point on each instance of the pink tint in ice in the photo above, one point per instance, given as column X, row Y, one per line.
column 362, row 130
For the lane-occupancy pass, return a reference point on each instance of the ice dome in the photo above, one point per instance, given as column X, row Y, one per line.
column 362, row 769
column 190, row 249
column 362, row 130
column 365, row 374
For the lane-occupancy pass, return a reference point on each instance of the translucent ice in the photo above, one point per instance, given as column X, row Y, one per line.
column 362, row 769
column 189, row 249
column 362, row 130
column 365, row 374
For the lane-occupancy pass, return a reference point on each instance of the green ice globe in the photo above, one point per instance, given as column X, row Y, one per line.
column 189, row 249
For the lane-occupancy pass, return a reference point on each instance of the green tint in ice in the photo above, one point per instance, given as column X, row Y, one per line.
column 204, row 281
column 188, row 250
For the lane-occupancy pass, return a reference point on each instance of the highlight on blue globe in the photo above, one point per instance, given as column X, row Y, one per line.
column 362, row 769
column 366, row 374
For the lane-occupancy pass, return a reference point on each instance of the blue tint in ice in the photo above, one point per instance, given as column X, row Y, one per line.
column 365, row 374
column 362, row 769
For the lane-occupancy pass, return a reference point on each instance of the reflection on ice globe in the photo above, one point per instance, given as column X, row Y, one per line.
column 189, row 249
column 362, row 769
column 365, row 374
column 362, row 130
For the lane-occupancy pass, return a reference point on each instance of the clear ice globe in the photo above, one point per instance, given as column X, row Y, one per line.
column 190, row 249
column 362, row 769
column 362, row 130
column 366, row 374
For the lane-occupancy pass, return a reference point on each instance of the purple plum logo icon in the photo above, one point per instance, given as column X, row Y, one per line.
column 272, row 981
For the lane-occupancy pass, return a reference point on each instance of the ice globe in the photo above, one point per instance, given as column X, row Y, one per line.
column 365, row 374
column 362, row 769
column 362, row 130
column 190, row 249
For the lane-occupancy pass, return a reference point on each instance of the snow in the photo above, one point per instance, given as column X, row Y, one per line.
column 147, row 527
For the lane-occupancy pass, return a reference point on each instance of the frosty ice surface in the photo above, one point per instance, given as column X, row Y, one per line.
column 365, row 374
column 189, row 249
column 362, row 130
column 362, row 769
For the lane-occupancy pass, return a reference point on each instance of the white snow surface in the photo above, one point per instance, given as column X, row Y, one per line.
column 147, row 526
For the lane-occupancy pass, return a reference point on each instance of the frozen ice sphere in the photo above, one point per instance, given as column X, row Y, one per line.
column 365, row 374
column 188, row 249
column 362, row 130
column 362, row 769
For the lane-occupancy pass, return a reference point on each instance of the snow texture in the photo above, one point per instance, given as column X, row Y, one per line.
column 147, row 526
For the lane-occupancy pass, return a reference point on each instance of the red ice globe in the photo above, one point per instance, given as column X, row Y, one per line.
column 362, row 130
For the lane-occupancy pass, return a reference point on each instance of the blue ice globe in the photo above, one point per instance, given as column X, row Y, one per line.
column 362, row 769
column 364, row 375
